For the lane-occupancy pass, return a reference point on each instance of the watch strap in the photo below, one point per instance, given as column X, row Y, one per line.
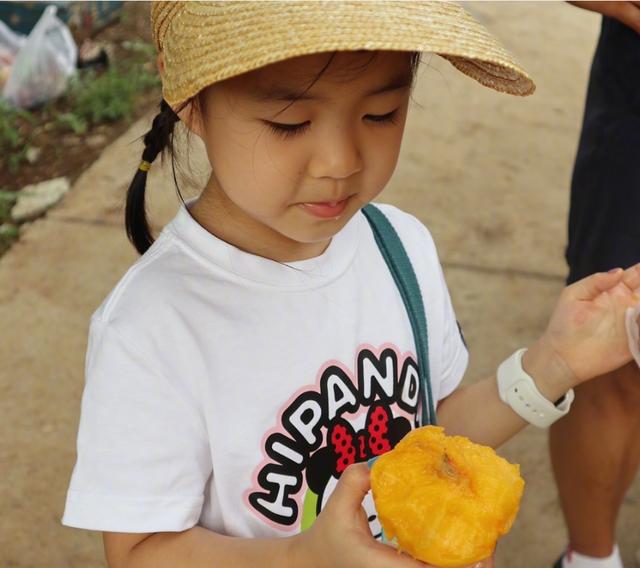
column 518, row 389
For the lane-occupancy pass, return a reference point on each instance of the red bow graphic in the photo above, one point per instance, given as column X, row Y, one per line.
column 372, row 440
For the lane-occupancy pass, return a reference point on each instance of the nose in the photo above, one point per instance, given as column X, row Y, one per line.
column 337, row 155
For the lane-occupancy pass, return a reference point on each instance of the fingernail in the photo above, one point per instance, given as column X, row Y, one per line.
column 372, row 461
column 614, row 270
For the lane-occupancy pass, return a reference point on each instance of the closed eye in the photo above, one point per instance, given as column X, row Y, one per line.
column 287, row 130
column 290, row 130
column 390, row 117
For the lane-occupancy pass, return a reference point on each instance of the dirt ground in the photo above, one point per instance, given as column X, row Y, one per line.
column 64, row 153
column 488, row 173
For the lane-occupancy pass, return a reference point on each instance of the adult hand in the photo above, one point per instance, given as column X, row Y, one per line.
column 586, row 336
column 341, row 536
column 626, row 12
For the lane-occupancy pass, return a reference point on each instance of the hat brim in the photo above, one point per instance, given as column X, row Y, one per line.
column 207, row 42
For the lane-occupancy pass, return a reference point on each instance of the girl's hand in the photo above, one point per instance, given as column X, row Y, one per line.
column 586, row 336
column 341, row 536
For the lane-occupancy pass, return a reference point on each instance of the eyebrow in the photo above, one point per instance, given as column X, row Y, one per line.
column 287, row 94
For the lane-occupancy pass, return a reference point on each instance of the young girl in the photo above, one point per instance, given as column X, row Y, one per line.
column 260, row 349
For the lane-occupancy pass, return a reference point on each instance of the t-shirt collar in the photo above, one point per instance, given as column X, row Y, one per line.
column 308, row 273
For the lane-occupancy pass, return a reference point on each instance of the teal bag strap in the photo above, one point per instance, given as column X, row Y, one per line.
column 397, row 260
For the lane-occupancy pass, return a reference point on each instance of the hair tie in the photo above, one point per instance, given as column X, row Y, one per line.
column 144, row 166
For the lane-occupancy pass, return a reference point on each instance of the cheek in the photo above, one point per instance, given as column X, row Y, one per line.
column 382, row 156
column 281, row 164
column 253, row 170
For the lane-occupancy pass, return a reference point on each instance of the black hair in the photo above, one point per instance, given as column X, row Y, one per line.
column 156, row 141
column 159, row 139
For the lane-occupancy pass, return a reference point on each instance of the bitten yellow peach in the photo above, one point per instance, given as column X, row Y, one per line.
column 444, row 499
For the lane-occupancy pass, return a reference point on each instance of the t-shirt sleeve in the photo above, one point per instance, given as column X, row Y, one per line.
column 454, row 354
column 143, row 456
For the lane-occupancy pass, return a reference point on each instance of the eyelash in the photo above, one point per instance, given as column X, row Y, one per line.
column 290, row 130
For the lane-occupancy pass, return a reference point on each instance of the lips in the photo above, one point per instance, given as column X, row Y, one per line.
column 326, row 209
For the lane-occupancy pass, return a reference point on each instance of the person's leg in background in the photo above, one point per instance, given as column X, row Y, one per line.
column 595, row 449
column 595, row 453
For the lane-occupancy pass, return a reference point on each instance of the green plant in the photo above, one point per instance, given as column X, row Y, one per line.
column 8, row 234
column 147, row 50
column 15, row 133
column 72, row 121
column 18, row 156
column 107, row 97
column 7, row 201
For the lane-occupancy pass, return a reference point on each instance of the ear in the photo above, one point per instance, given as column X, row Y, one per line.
column 188, row 115
column 160, row 64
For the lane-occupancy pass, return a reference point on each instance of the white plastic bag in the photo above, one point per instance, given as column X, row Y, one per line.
column 10, row 43
column 43, row 64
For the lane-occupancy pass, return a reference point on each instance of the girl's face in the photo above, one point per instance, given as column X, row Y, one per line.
column 285, row 181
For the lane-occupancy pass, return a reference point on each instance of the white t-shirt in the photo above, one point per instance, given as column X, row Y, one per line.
column 230, row 391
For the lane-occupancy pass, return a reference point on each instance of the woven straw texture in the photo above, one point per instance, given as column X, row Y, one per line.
column 206, row 42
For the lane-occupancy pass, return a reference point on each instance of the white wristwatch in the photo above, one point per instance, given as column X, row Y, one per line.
column 518, row 390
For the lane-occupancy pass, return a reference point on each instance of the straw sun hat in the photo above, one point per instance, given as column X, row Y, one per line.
column 206, row 42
